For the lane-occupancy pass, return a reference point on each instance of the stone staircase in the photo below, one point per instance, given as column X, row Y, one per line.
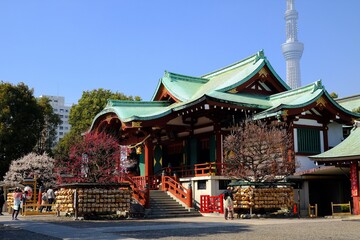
column 164, row 206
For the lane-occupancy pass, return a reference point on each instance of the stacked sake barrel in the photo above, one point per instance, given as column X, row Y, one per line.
column 266, row 198
column 94, row 200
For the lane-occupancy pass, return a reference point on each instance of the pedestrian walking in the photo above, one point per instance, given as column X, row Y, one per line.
column 229, row 208
column 227, row 194
column 2, row 201
column 44, row 201
column 25, row 193
column 17, row 195
column 50, row 198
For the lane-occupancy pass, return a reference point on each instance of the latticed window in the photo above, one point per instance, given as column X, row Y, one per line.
column 308, row 140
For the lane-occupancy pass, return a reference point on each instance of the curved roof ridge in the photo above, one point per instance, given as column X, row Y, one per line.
column 356, row 96
column 253, row 58
column 333, row 101
column 183, row 77
column 267, row 62
column 119, row 103
column 312, row 86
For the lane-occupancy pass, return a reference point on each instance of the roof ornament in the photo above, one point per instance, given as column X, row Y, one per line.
column 317, row 85
column 260, row 55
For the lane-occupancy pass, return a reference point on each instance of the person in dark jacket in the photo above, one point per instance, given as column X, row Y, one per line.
column 2, row 201
column 228, row 192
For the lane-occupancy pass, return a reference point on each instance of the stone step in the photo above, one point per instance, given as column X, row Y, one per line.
column 164, row 206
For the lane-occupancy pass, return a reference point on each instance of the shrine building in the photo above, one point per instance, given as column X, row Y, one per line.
column 181, row 129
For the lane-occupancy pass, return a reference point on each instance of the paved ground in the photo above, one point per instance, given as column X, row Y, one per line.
column 209, row 227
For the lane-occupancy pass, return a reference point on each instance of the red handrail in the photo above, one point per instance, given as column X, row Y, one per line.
column 205, row 169
column 140, row 193
column 209, row 169
column 179, row 191
column 150, row 181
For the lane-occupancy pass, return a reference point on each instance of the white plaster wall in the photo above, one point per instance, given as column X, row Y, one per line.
column 304, row 163
column 335, row 134
column 308, row 122
column 212, row 186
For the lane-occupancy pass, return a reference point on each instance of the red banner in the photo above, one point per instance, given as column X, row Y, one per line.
column 354, row 179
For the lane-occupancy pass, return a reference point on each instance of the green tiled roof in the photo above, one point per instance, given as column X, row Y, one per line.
column 181, row 86
column 242, row 99
column 348, row 149
column 238, row 73
column 350, row 103
column 135, row 110
column 215, row 86
column 187, row 88
column 298, row 98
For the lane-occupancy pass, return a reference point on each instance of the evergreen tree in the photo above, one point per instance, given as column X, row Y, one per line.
column 21, row 121
column 81, row 116
column 48, row 133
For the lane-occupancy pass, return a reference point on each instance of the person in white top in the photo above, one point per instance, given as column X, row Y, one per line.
column 17, row 202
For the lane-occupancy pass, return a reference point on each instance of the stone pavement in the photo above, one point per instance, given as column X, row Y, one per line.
column 52, row 227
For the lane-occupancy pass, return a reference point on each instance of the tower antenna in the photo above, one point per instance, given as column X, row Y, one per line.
column 292, row 49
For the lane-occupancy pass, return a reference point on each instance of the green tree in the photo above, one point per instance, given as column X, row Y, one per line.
column 21, row 121
column 90, row 104
column 51, row 121
column 82, row 115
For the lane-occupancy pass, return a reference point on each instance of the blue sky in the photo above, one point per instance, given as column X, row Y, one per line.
column 65, row 47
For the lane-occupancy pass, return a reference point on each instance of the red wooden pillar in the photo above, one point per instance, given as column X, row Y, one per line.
column 189, row 201
column 354, row 179
column 149, row 158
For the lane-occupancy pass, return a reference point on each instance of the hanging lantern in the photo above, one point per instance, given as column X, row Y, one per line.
column 138, row 150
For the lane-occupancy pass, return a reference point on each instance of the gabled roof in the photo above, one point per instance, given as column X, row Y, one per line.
column 249, row 83
column 180, row 86
column 186, row 88
column 349, row 149
column 239, row 73
column 299, row 98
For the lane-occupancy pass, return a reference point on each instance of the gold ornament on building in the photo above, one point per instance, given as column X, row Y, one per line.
column 138, row 150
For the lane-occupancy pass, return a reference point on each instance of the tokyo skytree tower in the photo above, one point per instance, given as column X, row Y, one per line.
column 292, row 49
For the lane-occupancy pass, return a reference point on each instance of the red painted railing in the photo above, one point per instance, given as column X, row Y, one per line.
column 202, row 169
column 211, row 204
column 151, row 181
column 209, row 169
column 171, row 184
column 179, row 191
column 140, row 193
